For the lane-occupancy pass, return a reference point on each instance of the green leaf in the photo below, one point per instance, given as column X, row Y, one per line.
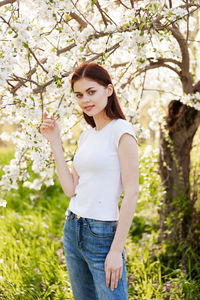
column 59, row 82
column 141, row 179
column 93, row 2
column 141, row 60
column 141, row 26
column 25, row 45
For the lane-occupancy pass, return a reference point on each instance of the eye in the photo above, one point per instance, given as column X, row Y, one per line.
column 78, row 96
column 91, row 92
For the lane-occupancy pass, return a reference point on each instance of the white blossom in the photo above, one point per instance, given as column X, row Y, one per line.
column 3, row 203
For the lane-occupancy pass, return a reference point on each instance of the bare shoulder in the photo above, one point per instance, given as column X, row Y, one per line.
column 129, row 162
column 127, row 144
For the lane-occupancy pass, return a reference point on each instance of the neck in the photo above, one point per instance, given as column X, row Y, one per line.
column 101, row 121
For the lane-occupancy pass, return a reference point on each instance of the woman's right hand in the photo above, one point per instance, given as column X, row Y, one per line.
column 49, row 129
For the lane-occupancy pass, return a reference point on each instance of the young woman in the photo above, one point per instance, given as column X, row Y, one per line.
column 105, row 164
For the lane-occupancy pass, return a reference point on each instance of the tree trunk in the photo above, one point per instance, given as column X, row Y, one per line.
column 176, row 139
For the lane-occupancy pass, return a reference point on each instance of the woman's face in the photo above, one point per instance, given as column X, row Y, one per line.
column 91, row 96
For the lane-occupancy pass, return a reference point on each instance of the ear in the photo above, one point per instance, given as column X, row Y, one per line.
column 109, row 89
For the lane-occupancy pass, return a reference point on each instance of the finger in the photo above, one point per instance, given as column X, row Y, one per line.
column 48, row 122
column 112, row 284
column 44, row 115
column 115, row 284
column 120, row 273
column 107, row 278
column 116, row 278
column 44, row 127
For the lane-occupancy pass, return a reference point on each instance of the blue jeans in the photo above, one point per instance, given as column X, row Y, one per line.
column 86, row 245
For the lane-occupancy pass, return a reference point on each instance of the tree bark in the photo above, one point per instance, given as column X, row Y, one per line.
column 176, row 139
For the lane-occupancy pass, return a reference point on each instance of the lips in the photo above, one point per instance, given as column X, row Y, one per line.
column 89, row 107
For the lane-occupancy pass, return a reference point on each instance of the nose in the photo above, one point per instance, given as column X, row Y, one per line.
column 86, row 98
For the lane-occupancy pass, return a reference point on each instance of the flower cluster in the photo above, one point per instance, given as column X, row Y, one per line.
column 192, row 100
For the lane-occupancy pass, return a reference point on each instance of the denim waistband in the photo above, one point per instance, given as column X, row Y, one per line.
column 70, row 213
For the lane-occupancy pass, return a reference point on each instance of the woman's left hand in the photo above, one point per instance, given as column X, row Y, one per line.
column 113, row 268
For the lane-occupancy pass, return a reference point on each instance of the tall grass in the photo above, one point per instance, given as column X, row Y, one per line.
column 32, row 262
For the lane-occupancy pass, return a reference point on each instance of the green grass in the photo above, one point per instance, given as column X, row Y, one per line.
column 32, row 263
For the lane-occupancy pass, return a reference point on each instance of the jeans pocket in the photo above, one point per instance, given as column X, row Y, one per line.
column 69, row 215
column 101, row 229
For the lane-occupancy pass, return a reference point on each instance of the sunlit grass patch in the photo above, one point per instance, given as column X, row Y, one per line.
column 32, row 259
column 32, row 262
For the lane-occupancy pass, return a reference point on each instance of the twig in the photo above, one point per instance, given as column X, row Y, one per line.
column 63, row 50
column 83, row 16
column 37, row 60
column 162, row 91
column 143, row 83
column 163, row 60
column 124, row 4
column 8, row 24
column 123, row 73
column 42, row 104
column 120, row 65
column 105, row 20
column 114, row 47
column 5, row 2
column 29, row 74
column 78, row 19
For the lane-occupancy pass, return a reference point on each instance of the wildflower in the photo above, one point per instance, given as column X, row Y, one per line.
column 60, row 252
column 167, row 287
column 130, row 277
column 152, row 246
column 36, row 270
column 62, row 261
column 184, row 272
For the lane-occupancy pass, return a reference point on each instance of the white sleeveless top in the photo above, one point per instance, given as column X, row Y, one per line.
column 97, row 163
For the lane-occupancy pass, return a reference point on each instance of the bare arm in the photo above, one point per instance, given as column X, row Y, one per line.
column 68, row 178
column 129, row 165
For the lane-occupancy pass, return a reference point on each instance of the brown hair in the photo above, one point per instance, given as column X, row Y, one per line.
column 97, row 73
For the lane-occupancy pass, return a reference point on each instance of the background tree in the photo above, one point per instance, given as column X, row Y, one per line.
column 41, row 44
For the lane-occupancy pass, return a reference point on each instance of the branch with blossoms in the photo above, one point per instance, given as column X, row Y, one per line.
column 154, row 24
